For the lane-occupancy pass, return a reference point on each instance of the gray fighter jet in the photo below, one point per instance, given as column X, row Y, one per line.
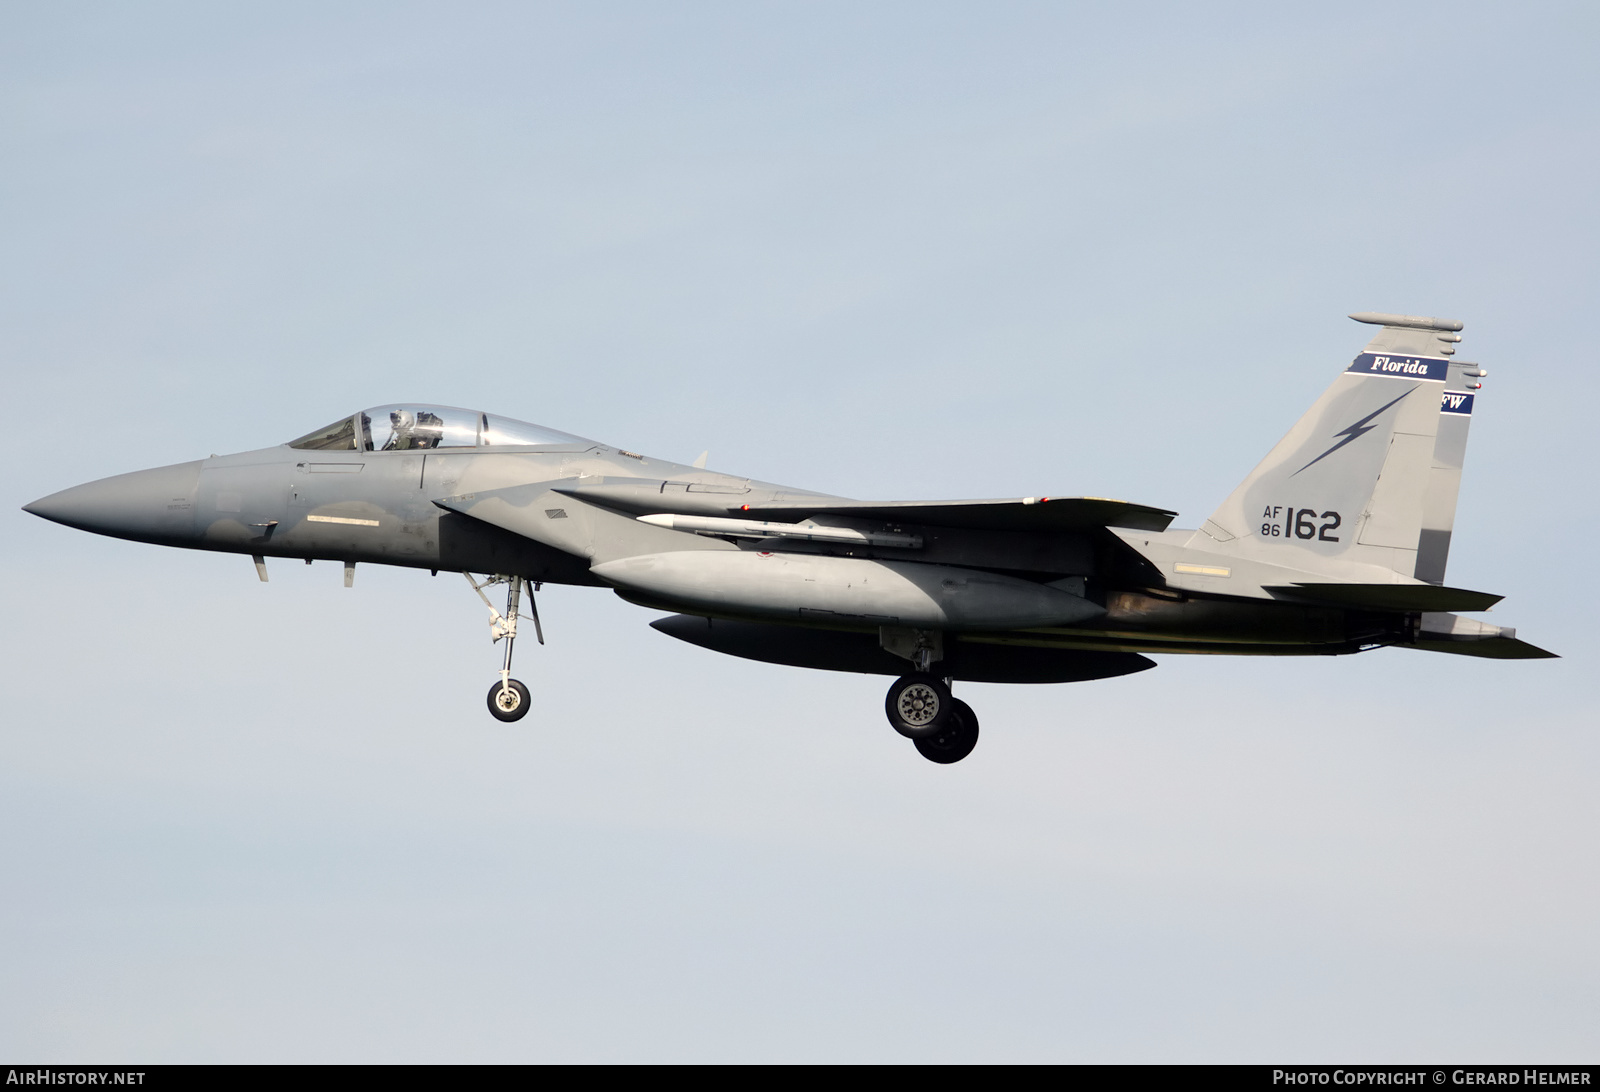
column 1335, row 543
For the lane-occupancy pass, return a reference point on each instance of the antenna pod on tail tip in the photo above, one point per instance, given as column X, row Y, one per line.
column 1420, row 322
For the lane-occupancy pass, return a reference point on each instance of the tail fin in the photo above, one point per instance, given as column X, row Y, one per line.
column 1353, row 479
column 1444, row 479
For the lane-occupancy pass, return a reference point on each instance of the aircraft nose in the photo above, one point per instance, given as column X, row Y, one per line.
column 147, row 505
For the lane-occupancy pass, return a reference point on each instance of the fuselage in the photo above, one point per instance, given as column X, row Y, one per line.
column 390, row 507
column 1336, row 542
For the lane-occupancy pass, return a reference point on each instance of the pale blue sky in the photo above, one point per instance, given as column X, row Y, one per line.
column 887, row 250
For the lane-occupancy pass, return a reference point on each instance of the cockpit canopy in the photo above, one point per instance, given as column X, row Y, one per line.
column 423, row 428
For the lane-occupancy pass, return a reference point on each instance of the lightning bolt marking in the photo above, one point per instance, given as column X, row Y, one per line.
column 1352, row 432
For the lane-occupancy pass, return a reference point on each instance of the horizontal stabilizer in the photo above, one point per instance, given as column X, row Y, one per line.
column 1495, row 648
column 1027, row 514
column 1388, row 597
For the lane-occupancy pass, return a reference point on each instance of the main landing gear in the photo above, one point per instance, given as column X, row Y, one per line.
column 508, row 699
column 955, row 740
column 944, row 729
column 920, row 707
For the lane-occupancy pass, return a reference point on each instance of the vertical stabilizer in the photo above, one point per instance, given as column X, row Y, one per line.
column 1444, row 479
column 1352, row 480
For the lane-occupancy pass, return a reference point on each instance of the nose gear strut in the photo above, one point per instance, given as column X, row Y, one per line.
column 508, row 699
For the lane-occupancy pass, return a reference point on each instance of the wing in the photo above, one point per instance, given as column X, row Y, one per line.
column 1024, row 514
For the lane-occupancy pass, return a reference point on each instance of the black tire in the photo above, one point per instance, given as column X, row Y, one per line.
column 918, row 705
column 516, row 704
column 956, row 740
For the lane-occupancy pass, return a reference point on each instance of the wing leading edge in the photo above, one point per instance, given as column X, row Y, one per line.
column 1024, row 514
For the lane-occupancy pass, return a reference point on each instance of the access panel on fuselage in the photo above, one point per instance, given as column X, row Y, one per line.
column 239, row 501
column 360, row 506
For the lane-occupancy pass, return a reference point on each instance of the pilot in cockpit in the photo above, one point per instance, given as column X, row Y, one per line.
column 414, row 431
column 404, row 425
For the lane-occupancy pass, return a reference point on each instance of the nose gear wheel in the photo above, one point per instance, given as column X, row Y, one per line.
column 509, row 700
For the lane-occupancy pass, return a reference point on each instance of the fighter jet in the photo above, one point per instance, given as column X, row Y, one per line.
column 1336, row 543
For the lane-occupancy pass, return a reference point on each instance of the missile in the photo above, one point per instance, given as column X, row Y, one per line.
column 806, row 532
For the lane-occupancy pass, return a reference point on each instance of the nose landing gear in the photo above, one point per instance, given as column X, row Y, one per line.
column 509, row 700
